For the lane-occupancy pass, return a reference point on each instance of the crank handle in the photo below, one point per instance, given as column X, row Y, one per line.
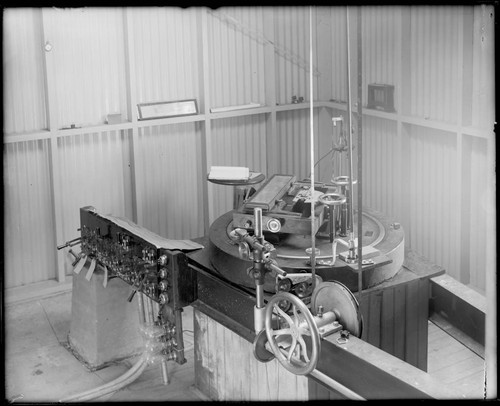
column 70, row 243
column 271, row 265
column 335, row 119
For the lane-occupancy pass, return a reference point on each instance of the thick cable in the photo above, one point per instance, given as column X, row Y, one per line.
column 127, row 378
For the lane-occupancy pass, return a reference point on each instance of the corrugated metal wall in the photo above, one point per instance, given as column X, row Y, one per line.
column 379, row 38
column 29, row 227
column 237, row 141
column 432, row 196
column 24, row 107
column 169, row 176
column 338, row 54
column 166, row 53
column 94, row 171
column 292, row 60
column 416, row 172
column 293, row 135
column 434, row 62
column 88, row 52
column 476, row 211
column 380, row 158
column 236, row 56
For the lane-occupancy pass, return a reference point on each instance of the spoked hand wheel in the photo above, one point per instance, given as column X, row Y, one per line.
column 287, row 341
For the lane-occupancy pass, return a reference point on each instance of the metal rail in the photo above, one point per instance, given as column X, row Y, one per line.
column 333, row 384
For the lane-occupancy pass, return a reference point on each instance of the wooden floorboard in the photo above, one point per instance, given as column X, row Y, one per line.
column 454, row 364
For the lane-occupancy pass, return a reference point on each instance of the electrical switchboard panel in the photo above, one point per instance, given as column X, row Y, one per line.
column 141, row 259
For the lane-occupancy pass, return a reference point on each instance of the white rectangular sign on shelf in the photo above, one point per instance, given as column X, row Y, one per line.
column 229, row 172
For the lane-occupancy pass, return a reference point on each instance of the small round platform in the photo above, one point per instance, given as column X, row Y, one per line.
column 254, row 178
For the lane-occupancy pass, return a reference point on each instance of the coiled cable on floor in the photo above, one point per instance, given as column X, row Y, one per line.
column 110, row 387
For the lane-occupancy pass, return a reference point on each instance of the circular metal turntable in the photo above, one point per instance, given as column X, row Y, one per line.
column 381, row 235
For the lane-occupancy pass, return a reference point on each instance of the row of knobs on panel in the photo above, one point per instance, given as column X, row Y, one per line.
column 163, row 284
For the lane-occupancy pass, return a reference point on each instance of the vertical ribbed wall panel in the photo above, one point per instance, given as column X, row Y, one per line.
column 292, row 60
column 380, row 157
column 29, row 229
column 379, row 37
column 432, row 177
column 88, row 52
column 239, row 141
column 339, row 54
column 170, row 180
column 23, row 85
column 474, row 192
column 166, row 53
column 293, row 135
column 94, row 171
column 236, row 56
column 434, row 62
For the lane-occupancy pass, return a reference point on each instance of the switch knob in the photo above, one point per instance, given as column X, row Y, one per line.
column 164, row 299
column 163, row 260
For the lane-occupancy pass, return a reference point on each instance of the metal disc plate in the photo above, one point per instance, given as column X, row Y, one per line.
column 334, row 296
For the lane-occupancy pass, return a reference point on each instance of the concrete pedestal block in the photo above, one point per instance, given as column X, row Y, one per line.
column 104, row 325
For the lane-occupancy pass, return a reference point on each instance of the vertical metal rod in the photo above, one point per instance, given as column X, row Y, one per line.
column 140, row 307
column 349, row 130
column 259, row 309
column 259, row 296
column 311, row 98
column 257, row 218
column 360, row 161
column 163, row 365
column 147, row 310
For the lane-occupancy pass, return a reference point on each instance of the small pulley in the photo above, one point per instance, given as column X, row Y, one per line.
column 293, row 334
column 336, row 297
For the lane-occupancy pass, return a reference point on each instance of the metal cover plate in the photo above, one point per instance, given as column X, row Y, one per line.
column 334, row 296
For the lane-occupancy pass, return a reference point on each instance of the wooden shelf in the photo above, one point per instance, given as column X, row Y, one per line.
column 404, row 119
column 171, row 120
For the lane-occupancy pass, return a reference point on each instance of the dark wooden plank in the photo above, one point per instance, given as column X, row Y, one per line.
column 399, row 321
column 387, row 332
column 374, row 322
column 364, row 306
column 422, row 309
column 411, row 323
column 420, row 266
